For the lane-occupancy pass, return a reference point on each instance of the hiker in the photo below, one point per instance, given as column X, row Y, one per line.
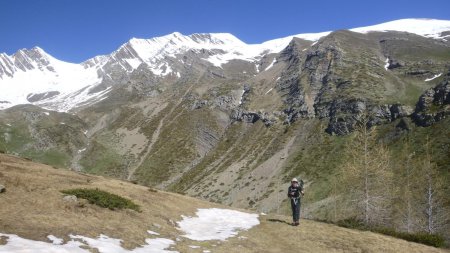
column 295, row 191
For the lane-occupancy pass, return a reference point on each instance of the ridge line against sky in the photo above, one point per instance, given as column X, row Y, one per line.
column 75, row 31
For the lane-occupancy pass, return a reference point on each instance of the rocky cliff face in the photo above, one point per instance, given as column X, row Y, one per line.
column 433, row 105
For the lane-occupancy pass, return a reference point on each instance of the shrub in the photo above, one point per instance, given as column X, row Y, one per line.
column 420, row 237
column 103, row 199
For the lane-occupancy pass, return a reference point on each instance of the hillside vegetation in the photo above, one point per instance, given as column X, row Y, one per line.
column 33, row 208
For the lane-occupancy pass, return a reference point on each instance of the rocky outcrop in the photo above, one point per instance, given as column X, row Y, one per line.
column 433, row 105
column 240, row 114
column 268, row 119
column 344, row 115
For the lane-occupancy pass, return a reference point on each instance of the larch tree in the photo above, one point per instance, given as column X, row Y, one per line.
column 406, row 189
column 435, row 201
column 367, row 175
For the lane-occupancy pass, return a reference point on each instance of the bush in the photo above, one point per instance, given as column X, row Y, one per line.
column 103, row 199
column 421, row 237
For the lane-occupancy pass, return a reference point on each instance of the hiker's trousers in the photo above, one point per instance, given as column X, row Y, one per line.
column 295, row 205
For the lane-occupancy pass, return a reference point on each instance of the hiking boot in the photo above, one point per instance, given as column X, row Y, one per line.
column 297, row 223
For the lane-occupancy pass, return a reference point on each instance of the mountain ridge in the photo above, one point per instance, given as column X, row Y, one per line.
column 42, row 69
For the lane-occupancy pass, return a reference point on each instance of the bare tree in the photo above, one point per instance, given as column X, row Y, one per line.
column 367, row 175
column 435, row 210
column 406, row 190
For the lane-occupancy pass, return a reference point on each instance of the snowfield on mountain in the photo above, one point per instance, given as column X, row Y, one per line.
column 33, row 76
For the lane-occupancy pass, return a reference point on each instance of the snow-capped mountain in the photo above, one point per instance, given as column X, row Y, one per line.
column 33, row 76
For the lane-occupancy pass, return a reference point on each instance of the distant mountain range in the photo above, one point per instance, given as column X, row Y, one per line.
column 33, row 76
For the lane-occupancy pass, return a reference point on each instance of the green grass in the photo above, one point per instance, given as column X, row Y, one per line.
column 101, row 160
column 173, row 150
column 50, row 157
column 19, row 137
column 103, row 199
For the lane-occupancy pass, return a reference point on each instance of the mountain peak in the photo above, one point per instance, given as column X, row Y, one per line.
column 431, row 28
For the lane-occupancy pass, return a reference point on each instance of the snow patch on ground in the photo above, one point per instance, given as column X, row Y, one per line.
column 434, row 77
column 210, row 224
column 78, row 244
column 55, row 240
column 271, row 64
column 152, row 232
column 110, row 245
column 216, row 224
column 242, row 97
column 386, row 66
column 16, row 244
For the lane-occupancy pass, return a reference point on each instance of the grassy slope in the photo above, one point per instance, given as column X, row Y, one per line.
column 33, row 208
column 50, row 138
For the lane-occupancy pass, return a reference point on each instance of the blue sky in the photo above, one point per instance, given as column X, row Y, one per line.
column 75, row 30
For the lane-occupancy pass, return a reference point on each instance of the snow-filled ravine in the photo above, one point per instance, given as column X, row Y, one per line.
column 209, row 224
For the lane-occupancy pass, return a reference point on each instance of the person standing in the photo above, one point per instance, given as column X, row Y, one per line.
column 295, row 191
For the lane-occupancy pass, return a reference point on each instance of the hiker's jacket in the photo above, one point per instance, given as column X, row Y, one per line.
column 294, row 191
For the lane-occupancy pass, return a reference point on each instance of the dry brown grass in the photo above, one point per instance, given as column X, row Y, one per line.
column 32, row 207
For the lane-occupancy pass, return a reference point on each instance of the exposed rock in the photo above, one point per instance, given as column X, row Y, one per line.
column 433, row 105
column 224, row 102
column 250, row 117
column 70, row 198
column 419, row 72
column 242, row 115
column 2, row 188
column 380, row 114
column 393, row 64
column 268, row 119
column 344, row 115
column 400, row 111
column 199, row 104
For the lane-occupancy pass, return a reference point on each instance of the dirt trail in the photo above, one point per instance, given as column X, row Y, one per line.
column 155, row 135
